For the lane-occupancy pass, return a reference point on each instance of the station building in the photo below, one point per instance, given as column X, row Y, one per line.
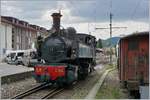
column 17, row 34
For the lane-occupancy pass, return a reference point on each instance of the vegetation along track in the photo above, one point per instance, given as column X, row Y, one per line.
column 36, row 89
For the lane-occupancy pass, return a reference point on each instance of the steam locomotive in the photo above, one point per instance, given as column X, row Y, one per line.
column 67, row 55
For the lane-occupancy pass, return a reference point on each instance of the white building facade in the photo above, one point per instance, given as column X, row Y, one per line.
column 5, row 38
column 16, row 34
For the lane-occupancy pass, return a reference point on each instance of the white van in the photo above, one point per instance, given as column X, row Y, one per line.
column 14, row 57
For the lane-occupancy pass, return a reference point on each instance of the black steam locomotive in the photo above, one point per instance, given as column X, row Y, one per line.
column 67, row 55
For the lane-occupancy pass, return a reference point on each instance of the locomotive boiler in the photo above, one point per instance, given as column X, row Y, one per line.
column 66, row 55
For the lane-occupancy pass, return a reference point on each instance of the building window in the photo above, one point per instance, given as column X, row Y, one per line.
column 13, row 30
column 13, row 20
column 133, row 45
column 13, row 46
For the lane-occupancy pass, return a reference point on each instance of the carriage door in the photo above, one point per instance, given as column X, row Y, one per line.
column 133, row 49
column 143, row 60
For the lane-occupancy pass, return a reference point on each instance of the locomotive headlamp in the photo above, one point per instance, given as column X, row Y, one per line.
column 60, row 70
column 38, row 69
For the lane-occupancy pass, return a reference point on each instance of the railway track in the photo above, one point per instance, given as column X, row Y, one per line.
column 50, row 94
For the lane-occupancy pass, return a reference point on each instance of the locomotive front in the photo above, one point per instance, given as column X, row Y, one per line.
column 55, row 50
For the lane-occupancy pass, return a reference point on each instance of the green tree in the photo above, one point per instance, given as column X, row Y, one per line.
column 99, row 43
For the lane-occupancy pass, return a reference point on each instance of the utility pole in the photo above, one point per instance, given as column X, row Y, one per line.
column 110, row 38
column 110, row 28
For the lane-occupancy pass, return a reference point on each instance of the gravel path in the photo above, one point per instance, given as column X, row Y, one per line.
column 10, row 90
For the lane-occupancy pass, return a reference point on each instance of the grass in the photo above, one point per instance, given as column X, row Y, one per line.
column 110, row 66
column 110, row 90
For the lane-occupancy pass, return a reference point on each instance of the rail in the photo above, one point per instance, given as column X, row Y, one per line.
column 50, row 94
column 30, row 91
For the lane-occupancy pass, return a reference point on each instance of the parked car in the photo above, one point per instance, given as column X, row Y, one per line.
column 22, row 57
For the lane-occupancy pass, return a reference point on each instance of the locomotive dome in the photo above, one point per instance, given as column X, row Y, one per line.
column 70, row 33
column 71, row 30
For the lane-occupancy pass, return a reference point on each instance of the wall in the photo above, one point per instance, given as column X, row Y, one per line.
column 5, row 38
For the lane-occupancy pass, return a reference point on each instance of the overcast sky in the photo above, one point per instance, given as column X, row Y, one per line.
column 84, row 15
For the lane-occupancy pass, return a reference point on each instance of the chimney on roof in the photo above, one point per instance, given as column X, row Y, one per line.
column 56, row 21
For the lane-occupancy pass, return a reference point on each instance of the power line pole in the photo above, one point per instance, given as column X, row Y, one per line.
column 110, row 28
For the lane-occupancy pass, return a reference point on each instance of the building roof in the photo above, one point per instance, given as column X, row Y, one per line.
column 22, row 24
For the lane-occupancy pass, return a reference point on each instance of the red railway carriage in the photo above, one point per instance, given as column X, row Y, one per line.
column 133, row 60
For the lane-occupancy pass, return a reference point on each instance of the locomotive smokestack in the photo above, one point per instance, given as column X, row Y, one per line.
column 56, row 21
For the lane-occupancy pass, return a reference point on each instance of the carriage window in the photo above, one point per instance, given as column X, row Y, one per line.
column 20, row 54
column 133, row 45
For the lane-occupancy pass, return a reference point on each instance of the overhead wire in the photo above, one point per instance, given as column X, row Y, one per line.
column 135, row 9
column 77, row 11
column 133, row 14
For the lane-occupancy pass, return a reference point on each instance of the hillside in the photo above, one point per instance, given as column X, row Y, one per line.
column 114, row 40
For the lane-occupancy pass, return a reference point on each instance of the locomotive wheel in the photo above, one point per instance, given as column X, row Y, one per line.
column 70, row 76
column 81, row 76
column 61, row 84
column 83, row 71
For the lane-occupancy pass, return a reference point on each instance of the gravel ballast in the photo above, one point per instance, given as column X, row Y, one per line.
column 12, row 89
column 77, row 91
column 81, row 88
